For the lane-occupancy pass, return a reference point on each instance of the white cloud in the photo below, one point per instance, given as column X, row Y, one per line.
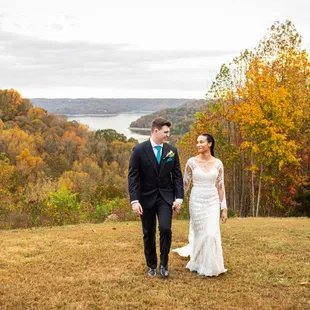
column 132, row 48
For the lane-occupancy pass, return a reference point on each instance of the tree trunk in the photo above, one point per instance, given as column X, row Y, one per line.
column 259, row 188
column 234, row 186
column 243, row 176
column 253, row 187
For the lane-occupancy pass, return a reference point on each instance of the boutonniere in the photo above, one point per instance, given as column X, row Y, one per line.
column 169, row 155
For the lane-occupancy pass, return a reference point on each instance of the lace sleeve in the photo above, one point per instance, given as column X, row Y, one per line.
column 221, row 186
column 187, row 176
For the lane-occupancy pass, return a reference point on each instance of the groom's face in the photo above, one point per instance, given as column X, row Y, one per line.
column 162, row 135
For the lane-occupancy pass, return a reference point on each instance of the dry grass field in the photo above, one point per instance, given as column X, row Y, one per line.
column 102, row 267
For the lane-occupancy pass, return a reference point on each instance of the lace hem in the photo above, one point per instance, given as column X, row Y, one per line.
column 204, row 271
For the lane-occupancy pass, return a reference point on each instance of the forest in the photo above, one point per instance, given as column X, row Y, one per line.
column 56, row 172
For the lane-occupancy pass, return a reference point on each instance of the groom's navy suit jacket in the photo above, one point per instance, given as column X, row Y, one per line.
column 147, row 178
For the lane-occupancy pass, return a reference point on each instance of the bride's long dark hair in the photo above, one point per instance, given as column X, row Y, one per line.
column 210, row 139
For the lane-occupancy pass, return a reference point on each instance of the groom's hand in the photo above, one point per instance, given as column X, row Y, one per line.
column 137, row 208
column 176, row 206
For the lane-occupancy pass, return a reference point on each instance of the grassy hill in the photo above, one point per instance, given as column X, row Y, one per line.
column 102, row 267
column 181, row 117
column 184, row 114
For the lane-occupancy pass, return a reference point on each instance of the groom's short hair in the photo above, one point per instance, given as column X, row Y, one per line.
column 159, row 123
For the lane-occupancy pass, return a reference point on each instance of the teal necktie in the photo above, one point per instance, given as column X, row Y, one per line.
column 158, row 155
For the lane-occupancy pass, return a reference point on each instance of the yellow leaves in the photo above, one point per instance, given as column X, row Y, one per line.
column 79, row 182
column 16, row 140
column 253, row 168
column 83, row 130
column 36, row 113
column 2, row 125
column 66, row 182
column 89, row 166
column 281, row 164
column 7, row 174
column 26, row 157
column 246, row 145
column 255, row 149
column 28, row 165
column 265, row 113
column 10, row 100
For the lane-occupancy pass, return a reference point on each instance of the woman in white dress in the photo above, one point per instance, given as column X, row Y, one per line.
column 206, row 199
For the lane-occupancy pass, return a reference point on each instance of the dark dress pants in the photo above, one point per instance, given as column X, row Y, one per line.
column 163, row 211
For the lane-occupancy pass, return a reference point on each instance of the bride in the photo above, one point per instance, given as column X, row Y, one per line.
column 206, row 199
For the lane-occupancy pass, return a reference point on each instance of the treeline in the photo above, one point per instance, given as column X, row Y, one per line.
column 181, row 118
column 260, row 118
column 53, row 171
column 98, row 106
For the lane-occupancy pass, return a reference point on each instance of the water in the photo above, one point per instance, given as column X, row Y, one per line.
column 119, row 122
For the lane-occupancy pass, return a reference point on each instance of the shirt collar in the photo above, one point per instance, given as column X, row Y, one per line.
column 155, row 144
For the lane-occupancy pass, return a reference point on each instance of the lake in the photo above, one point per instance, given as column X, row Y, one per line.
column 119, row 122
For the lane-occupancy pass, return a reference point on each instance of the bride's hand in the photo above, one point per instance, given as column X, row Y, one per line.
column 176, row 207
column 224, row 216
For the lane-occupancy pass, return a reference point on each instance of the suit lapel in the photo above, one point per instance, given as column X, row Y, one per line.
column 163, row 161
column 151, row 156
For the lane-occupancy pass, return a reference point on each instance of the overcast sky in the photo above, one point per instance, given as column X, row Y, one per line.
column 131, row 48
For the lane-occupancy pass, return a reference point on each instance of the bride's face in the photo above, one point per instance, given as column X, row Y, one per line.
column 202, row 144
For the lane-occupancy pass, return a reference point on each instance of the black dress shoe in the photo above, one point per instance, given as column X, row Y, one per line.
column 164, row 273
column 151, row 272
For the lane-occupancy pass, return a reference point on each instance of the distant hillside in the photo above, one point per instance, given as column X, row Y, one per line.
column 97, row 106
column 181, row 117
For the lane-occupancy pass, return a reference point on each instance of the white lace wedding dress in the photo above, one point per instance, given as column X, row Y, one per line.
column 205, row 246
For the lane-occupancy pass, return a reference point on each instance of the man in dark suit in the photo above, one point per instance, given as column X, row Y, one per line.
column 156, row 189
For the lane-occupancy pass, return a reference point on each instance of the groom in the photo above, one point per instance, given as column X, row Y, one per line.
column 156, row 189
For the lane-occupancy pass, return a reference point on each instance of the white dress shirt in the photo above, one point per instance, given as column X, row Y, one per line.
column 153, row 146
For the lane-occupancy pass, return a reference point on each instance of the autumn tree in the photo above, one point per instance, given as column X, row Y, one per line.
column 29, row 166
column 259, row 115
column 10, row 100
